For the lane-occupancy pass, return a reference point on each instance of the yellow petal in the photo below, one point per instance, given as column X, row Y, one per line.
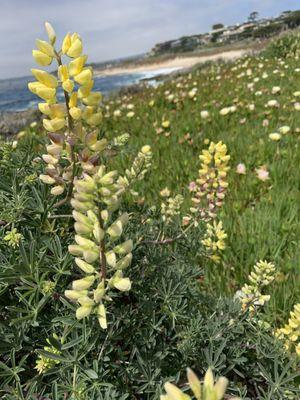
column 75, row 49
column 93, row 99
column 83, row 311
column 63, row 73
column 41, row 58
column 84, row 77
column 45, row 78
column 85, row 90
column 68, row 85
column 75, row 113
column 76, row 65
column 45, row 47
column 50, row 32
column 66, row 43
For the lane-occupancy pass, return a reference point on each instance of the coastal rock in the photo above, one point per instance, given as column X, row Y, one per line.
column 12, row 122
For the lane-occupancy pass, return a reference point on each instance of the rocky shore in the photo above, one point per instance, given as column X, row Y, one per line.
column 12, row 122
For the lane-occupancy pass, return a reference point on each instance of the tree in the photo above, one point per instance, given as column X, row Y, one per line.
column 217, row 26
column 253, row 16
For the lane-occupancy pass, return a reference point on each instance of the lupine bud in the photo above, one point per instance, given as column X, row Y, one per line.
column 83, row 311
column 45, row 78
column 75, row 250
column 50, row 32
column 68, row 85
column 174, row 393
column 85, row 90
column 86, row 243
column 93, row 99
column 41, row 58
column 98, row 232
column 84, row 283
column 57, row 190
column 124, row 248
column 75, row 294
column 76, row 65
column 101, row 312
column 124, row 262
column 115, row 230
column 75, row 49
column 66, row 43
column 47, row 179
column 83, row 229
column 86, row 301
column 111, row 259
column 90, row 256
column 45, row 47
column 84, row 266
column 122, row 284
column 81, row 218
column 84, row 77
column 75, row 113
column 99, row 292
column 53, row 125
column 194, row 383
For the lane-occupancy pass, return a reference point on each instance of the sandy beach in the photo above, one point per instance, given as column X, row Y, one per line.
column 172, row 64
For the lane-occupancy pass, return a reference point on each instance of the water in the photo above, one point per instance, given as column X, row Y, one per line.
column 15, row 96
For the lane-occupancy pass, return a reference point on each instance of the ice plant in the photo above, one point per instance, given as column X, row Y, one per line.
column 100, row 256
column 209, row 390
column 290, row 333
column 251, row 295
column 71, row 125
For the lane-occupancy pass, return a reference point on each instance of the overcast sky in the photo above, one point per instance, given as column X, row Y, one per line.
column 115, row 28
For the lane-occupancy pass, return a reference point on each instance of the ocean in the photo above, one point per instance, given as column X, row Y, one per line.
column 15, row 96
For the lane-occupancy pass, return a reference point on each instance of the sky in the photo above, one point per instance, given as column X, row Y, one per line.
column 115, row 28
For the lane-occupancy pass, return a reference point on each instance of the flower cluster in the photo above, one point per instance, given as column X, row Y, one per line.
column 97, row 253
column 44, row 363
column 251, row 294
column 13, row 238
column 171, row 207
column 68, row 122
column 290, row 333
column 138, row 170
column 211, row 183
column 214, row 240
column 208, row 391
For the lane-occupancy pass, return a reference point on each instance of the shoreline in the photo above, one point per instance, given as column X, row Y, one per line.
column 176, row 63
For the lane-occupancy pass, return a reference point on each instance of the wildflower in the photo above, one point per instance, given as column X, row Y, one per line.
column 214, row 240
column 211, row 184
column 204, row 114
column 94, row 200
column 44, row 363
column 209, row 390
column 251, row 294
column 192, row 186
column 13, row 238
column 48, row 287
column 165, row 192
column 290, row 333
column 275, row 136
column 284, row 130
column 262, row 173
column 276, row 89
column 130, row 114
column 273, row 104
column 165, row 124
column 171, row 208
column 80, row 109
column 241, row 169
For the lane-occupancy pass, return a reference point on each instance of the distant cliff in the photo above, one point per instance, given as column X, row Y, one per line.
column 252, row 29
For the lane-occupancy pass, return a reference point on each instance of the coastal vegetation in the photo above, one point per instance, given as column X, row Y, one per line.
column 150, row 239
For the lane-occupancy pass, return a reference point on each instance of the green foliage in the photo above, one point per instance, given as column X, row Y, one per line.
column 180, row 311
column 285, row 46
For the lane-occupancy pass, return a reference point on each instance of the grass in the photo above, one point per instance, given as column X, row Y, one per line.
column 261, row 218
